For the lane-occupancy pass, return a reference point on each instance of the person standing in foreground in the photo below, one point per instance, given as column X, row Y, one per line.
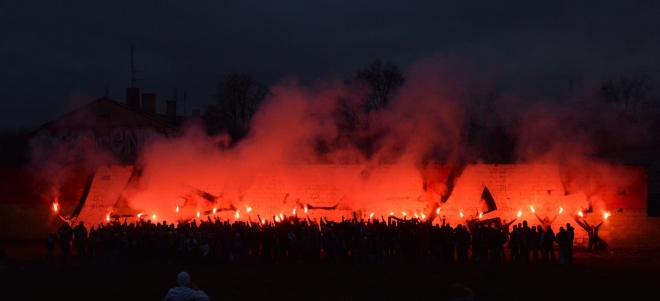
column 185, row 290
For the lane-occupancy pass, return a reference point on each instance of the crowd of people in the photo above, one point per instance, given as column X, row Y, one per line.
column 377, row 241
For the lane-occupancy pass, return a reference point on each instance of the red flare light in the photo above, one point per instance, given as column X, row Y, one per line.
column 481, row 215
column 277, row 219
column 139, row 214
column 214, row 210
column 294, row 211
column 461, row 213
column 437, row 211
column 371, row 215
column 153, row 217
column 107, row 217
column 305, row 209
column 237, row 214
column 177, row 208
column 580, row 213
column 248, row 209
column 519, row 213
column 55, row 207
column 606, row 214
column 391, row 213
column 561, row 210
column 197, row 214
column 531, row 208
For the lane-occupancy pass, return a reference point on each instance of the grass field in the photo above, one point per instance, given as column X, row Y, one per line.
column 612, row 275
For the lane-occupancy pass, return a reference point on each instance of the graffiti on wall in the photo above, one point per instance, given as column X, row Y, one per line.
column 123, row 142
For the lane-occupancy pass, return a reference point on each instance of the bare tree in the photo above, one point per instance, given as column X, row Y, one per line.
column 376, row 85
column 629, row 92
column 238, row 98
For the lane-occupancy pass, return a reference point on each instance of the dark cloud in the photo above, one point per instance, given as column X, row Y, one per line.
column 55, row 55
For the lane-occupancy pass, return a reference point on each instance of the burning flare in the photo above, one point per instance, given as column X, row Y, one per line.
column 437, row 211
column 294, row 211
column 177, row 208
column 404, row 213
column 531, row 208
column 461, row 213
column 197, row 214
column 237, row 214
column 139, row 214
column 519, row 213
column 561, row 210
column 606, row 214
column 214, row 210
column 107, row 217
column 423, row 216
column 55, row 206
column 153, row 217
column 277, row 219
column 305, row 209
column 371, row 215
column 391, row 213
column 248, row 209
column 281, row 216
column 580, row 213
column 481, row 214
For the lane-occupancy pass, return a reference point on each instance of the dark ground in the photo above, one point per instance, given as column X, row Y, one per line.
column 611, row 275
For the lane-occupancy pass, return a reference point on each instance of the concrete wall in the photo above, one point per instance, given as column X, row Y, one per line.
column 361, row 190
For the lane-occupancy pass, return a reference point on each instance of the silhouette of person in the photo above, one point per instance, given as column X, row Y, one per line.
column 185, row 290
column 592, row 231
column 546, row 221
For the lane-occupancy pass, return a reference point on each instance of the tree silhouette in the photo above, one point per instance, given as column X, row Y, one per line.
column 629, row 92
column 375, row 86
column 237, row 100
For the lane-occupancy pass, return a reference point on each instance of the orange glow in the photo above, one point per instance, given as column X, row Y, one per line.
column 153, row 217
column 107, row 217
column 371, row 215
column 531, row 208
column 437, row 211
column 281, row 216
column 277, row 219
column 481, row 215
column 294, row 211
column 423, row 216
column 55, row 207
column 237, row 214
column 214, row 210
column 461, row 213
column 606, row 214
column 139, row 214
column 263, row 221
column 177, row 208
column 561, row 210
column 391, row 213
column 519, row 213
column 580, row 213
column 305, row 209
column 197, row 214
column 404, row 213
column 249, row 209
column 416, row 216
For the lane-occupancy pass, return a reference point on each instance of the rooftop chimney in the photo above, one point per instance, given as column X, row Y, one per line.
column 149, row 102
column 133, row 97
column 171, row 108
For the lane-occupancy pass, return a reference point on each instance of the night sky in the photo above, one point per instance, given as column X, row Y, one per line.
column 56, row 55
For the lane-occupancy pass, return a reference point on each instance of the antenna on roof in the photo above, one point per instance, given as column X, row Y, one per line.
column 184, row 102
column 133, row 71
